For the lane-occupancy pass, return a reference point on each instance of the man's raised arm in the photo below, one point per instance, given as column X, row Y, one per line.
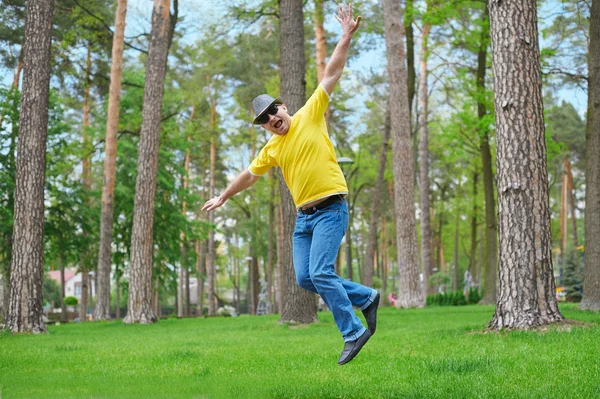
column 240, row 183
column 335, row 67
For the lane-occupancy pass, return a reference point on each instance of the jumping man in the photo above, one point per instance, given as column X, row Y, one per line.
column 301, row 147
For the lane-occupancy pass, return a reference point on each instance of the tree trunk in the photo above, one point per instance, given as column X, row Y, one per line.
column 473, row 252
column 526, row 296
column 424, row 159
column 25, row 309
column 200, row 280
column 210, row 264
column 591, row 281
column 348, row 246
column 376, row 206
column 410, row 293
column 118, row 297
column 183, row 281
column 87, row 182
column 280, row 246
column 564, row 205
column 384, row 257
column 572, row 203
column 271, row 244
column 63, row 306
column 491, row 264
column 411, row 75
column 456, row 236
column 140, row 283
column 102, row 309
column 299, row 305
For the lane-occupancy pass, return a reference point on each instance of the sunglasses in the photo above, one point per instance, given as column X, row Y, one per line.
column 264, row 118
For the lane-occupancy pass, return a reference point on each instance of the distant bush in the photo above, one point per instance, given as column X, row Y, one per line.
column 474, row 296
column 457, row 298
column 71, row 301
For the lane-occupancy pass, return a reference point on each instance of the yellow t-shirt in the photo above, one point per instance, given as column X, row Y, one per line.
column 305, row 154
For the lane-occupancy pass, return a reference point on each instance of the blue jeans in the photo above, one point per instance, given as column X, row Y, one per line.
column 317, row 239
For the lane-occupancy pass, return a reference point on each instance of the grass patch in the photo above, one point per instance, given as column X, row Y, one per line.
column 417, row 353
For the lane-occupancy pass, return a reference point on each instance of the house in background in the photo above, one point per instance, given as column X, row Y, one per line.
column 73, row 282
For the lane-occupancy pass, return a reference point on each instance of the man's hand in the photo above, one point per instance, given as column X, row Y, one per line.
column 344, row 17
column 213, row 204
column 335, row 67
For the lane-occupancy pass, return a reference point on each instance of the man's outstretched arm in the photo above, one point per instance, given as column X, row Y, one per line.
column 240, row 183
column 335, row 67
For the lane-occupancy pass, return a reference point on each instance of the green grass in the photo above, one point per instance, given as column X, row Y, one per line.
column 422, row 353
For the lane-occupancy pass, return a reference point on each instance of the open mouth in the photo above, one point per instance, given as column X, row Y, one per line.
column 278, row 124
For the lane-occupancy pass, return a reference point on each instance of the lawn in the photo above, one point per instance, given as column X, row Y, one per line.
column 438, row 352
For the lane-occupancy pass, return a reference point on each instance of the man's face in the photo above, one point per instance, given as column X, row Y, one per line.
column 279, row 123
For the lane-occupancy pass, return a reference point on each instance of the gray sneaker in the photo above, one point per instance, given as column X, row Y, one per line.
column 352, row 348
column 370, row 314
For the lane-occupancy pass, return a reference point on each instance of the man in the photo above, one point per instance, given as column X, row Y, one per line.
column 300, row 145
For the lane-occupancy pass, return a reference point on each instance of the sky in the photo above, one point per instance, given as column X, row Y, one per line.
column 197, row 14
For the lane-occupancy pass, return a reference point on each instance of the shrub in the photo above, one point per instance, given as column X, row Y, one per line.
column 71, row 301
column 447, row 299
column 573, row 277
column 459, row 299
column 474, row 296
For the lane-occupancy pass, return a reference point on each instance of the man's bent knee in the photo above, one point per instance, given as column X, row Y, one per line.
column 306, row 283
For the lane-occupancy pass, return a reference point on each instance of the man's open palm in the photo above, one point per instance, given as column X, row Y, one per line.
column 344, row 17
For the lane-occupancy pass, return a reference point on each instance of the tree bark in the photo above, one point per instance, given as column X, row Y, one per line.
column 411, row 75
column 491, row 264
column 102, row 309
column 564, row 205
column 591, row 281
column 182, row 280
column 424, row 159
column 456, row 236
column 526, row 296
column 280, row 244
column 376, row 206
column 25, row 310
column 410, row 293
column 271, row 244
column 572, row 203
column 210, row 261
column 140, row 283
column 299, row 305
column 87, row 182
column 473, row 252
column 63, row 306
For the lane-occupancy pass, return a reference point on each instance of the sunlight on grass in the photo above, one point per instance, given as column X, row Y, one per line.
column 419, row 353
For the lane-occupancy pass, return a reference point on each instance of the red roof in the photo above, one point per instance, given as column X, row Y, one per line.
column 55, row 274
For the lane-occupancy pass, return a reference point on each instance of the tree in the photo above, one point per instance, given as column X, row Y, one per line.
column 410, row 293
column 102, row 309
column 591, row 285
column 424, row 156
column 526, row 296
column 142, row 243
column 491, row 265
column 299, row 305
column 25, row 309
column 376, row 205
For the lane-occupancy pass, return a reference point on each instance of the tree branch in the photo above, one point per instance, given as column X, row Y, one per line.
column 108, row 27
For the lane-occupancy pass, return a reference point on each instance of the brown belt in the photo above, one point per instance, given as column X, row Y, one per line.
column 330, row 200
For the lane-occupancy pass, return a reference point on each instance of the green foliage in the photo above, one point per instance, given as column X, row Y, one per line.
column 71, row 301
column 474, row 296
column 572, row 278
column 51, row 291
column 452, row 298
